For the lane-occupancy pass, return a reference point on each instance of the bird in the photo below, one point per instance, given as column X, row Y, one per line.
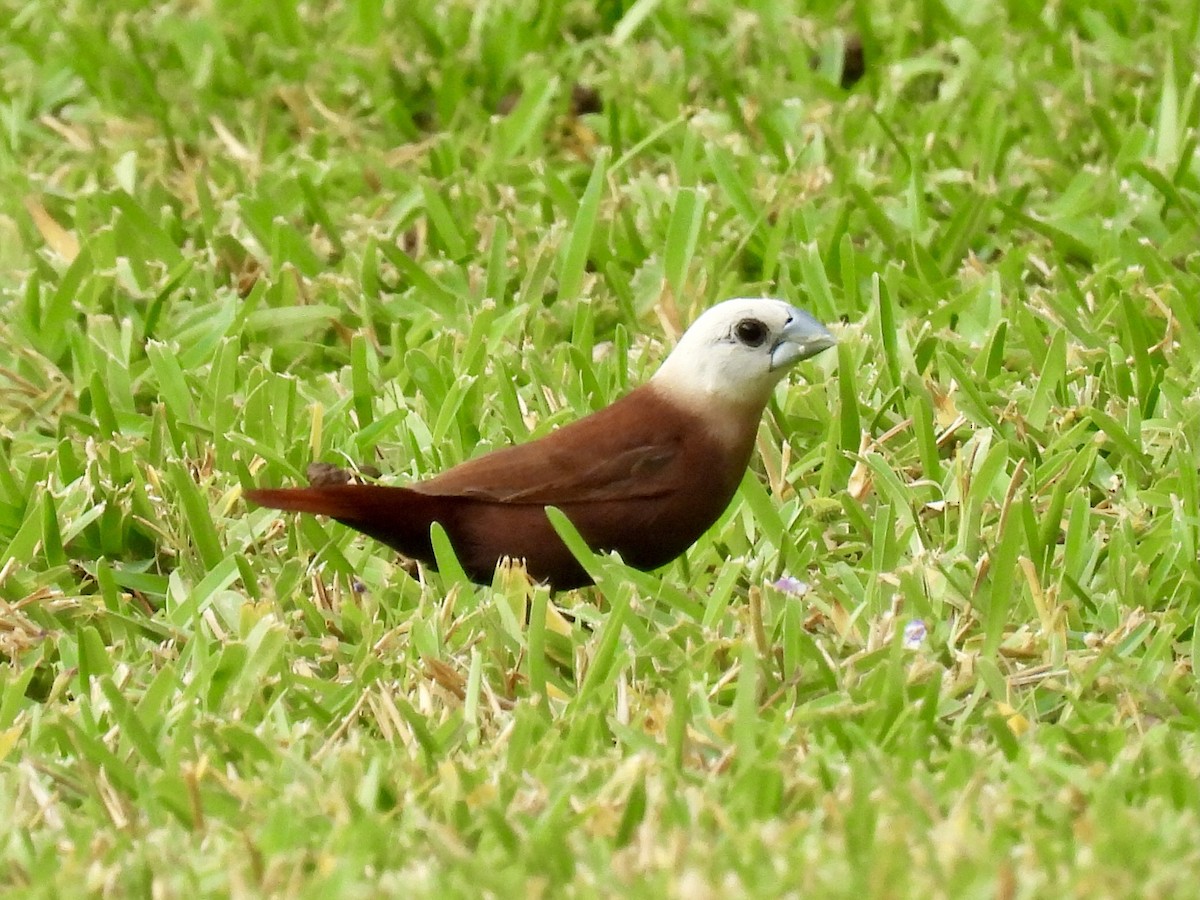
column 645, row 476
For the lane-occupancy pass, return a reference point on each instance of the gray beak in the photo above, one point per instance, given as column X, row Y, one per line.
column 802, row 337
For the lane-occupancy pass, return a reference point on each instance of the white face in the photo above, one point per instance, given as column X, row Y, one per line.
column 737, row 351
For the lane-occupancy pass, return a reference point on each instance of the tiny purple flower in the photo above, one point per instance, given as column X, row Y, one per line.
column 789, row 585
column 914, row 634
column 359, row 587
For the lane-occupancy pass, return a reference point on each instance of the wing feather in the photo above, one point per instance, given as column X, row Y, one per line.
column 628, row 450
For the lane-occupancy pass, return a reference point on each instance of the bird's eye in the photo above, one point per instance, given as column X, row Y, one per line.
column 750, row 332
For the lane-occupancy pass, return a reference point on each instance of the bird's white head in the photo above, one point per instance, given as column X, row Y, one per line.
column 737, row 351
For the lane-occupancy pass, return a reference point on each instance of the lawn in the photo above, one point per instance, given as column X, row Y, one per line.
column 941, row 645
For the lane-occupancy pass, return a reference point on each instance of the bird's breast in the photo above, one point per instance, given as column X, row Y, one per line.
column 649, row 532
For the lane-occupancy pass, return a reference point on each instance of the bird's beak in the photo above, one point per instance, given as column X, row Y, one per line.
column 802, row 337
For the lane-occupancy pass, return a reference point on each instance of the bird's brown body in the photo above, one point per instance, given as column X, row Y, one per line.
column 644, row 477
column 655, row 480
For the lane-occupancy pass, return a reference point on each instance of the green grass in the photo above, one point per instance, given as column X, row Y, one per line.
column 235, row 238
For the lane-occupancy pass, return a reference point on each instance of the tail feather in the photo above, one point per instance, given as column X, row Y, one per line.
column 340, row 501
column 399, row 517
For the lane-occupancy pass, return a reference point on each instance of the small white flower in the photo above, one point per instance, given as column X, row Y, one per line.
column 914, row 634
column 789, row 585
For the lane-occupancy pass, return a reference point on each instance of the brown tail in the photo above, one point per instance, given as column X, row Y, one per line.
column 399, row 517
column 343, row 501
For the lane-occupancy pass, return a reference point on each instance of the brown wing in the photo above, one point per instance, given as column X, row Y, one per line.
column 624, row 451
